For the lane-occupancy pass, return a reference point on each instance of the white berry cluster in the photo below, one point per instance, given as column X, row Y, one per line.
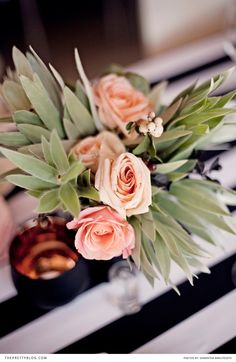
column 151, row 125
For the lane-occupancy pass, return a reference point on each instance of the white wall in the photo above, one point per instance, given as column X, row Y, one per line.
column 164, row 22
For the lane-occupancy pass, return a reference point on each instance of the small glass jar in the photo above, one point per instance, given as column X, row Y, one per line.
column 46, row 268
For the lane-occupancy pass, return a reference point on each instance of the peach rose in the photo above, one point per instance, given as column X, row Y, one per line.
column 119, row 102
column 92, row 150
column 125, row 184
column 102, row 234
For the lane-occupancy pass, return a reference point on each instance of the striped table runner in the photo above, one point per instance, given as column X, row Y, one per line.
column 202, row 320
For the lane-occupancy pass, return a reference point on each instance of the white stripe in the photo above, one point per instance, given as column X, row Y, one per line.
column 201, row 333
column 7, row 289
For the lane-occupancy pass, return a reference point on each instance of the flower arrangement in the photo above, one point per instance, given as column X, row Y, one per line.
column 119, row 161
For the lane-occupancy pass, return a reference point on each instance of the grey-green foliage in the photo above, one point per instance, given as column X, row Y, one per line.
column 53, row 177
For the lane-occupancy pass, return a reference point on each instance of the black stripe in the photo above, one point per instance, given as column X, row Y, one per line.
column 198, row 69
column 229, row 347
column 130, row 332
column 15, row 312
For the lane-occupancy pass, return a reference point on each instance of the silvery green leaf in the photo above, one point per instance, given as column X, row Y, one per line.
column 13, row 139
column 163, row 257
column 166, row 168
column 171, row 206
column 27, row 117
column 15, row 96
column 89, row 193
column 170, row 111
column 79, row 91
column 136, row 252
column 172, row 135
column 70, row 199
column 79, row 114
column 42, row 104
column 46, row 78
column 84, row 178
column 21, row 63
column 176, row 176
column 30, row 182
column 72, row 131
column 148, row 225
column 143, row 146
column 226, row 133
column 58, row 153
column 46, row 151
column 221, row 222
column 138, row 82
column 31, row 165
column 148, row 248
column 146, row 265
column 202, row 199
column 73, row 172
column 89, row 92
column 57, row 76
column 33, row 133
column 225, row 99
column 48, row 202
column 195, row 263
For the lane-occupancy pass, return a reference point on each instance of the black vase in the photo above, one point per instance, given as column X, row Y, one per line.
column 39, row 243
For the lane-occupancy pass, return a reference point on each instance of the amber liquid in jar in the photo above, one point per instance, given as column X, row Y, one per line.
column 45, row 250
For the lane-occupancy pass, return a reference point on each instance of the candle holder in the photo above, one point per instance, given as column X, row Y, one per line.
column 45, row 266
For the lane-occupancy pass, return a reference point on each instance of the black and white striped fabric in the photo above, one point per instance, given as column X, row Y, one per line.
column 201, row 320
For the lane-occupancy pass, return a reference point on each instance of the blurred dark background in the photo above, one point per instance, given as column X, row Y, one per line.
column 105, row 31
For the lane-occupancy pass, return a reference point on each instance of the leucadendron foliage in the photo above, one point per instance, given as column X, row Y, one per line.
column 50, row 117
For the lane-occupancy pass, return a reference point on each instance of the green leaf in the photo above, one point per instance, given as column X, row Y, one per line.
column 172, row 135
column 21, row 63
column 46, row 151
column 166, row 168
column 13, row 139
column 89, row 193
column 170, row 111
column 79, row 114
column 202, row 199
column 70, row 199
column 33, row 133
column 143, row 146
column 72, row 131
column 114, row 68
column 146, row 265
column 27, row 117
column 163, row 257
column 138, row 82
column 79, row 91
column 42, row 104
column 89, row 92
column 48, row 202
column 148, row 225
column 31, row 165
column 73, row 172
column 136, row 252
column 58, row 153
column 15, row 95
column 30, row 182
column 46, row 78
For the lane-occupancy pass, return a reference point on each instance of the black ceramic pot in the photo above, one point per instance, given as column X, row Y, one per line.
column 46, row 269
